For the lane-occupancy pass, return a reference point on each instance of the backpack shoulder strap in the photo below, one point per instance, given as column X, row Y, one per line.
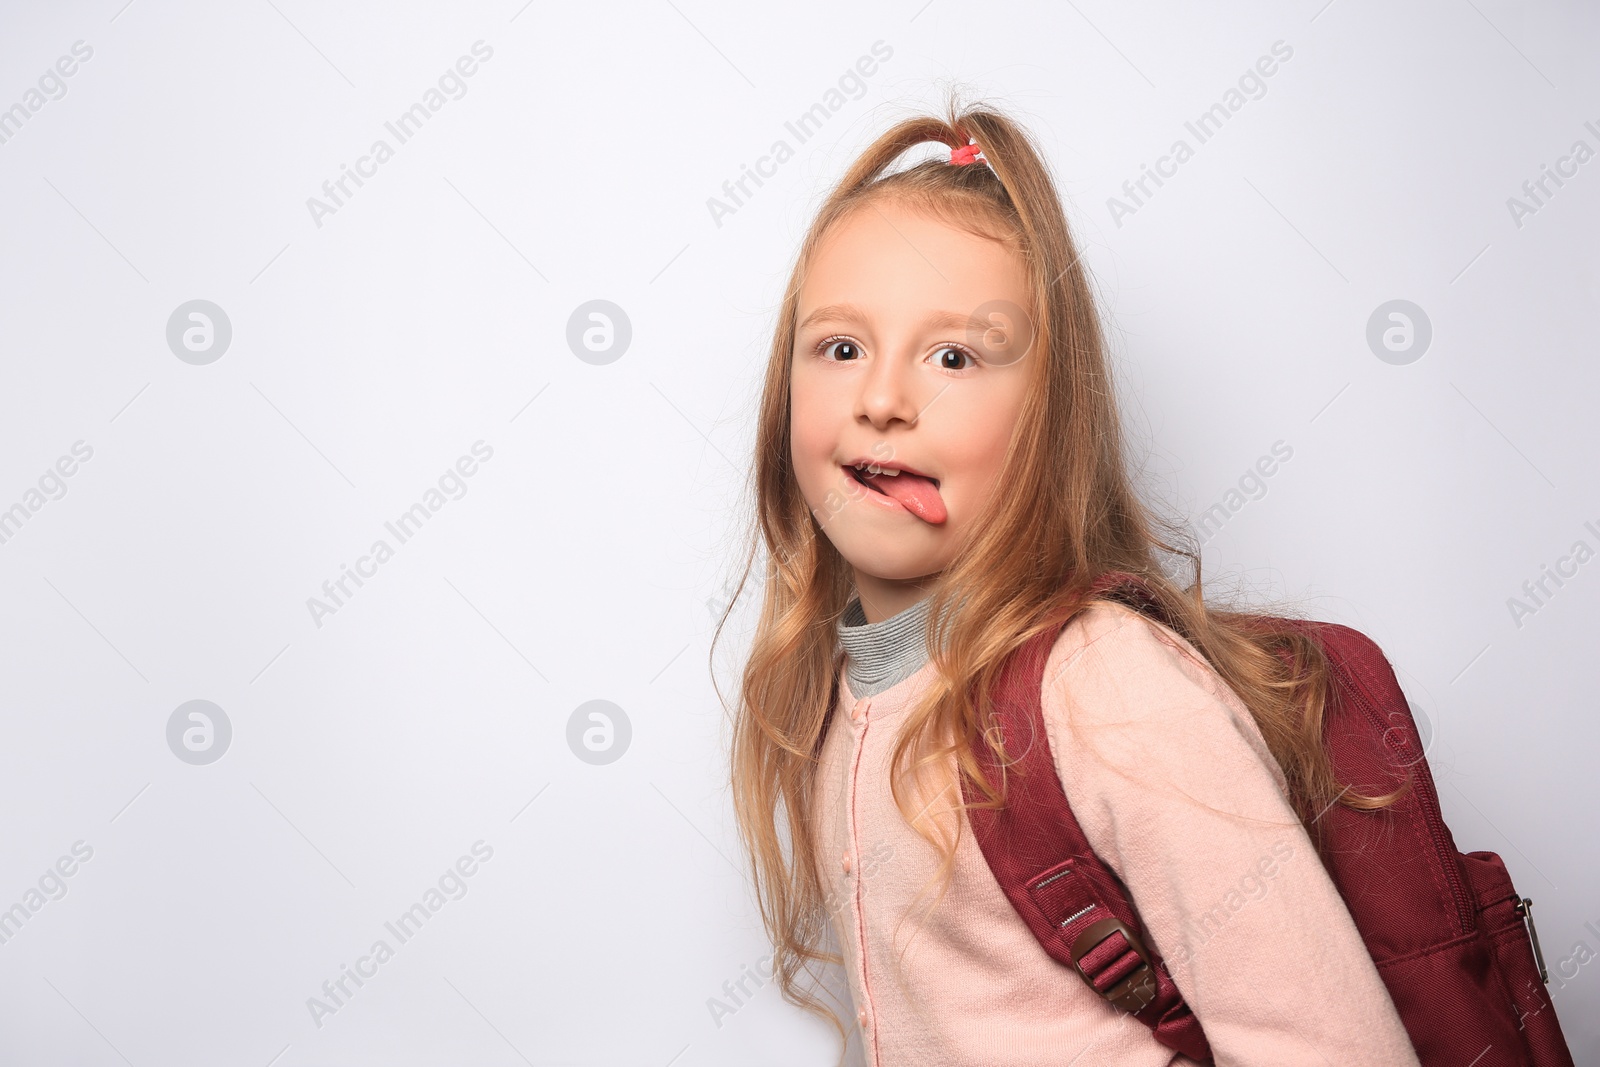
column 1075, row 905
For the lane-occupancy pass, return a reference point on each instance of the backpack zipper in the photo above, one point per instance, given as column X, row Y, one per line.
column 1525, row 909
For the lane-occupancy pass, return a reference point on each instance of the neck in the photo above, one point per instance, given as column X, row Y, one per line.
column 883, row 598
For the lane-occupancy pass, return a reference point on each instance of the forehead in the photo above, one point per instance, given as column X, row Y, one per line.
column 888, row 257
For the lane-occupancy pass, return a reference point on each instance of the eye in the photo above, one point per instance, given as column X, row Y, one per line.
column 844, row 348
column 949, row 357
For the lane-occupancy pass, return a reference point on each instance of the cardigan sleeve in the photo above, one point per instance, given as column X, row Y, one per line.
column 1178, row 793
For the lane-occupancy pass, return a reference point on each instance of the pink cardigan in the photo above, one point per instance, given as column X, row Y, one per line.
column 1236, row 901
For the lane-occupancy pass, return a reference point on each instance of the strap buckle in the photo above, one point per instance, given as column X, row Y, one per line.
column 1134, row 990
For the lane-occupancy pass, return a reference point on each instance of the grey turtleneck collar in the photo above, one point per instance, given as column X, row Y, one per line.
column 880, row 654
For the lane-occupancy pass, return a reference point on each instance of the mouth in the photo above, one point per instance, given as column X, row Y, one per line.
column 860, row 475
column 867, row 467
column 901, row 488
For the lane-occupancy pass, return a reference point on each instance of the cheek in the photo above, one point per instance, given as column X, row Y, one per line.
column 976, row 466
column 812, row 433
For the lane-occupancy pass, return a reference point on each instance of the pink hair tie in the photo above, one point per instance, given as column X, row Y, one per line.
column 963, row 156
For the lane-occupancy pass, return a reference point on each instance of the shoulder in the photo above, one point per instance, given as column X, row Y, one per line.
column 1113, row 670
column 1109, row 637
column 1101, row 618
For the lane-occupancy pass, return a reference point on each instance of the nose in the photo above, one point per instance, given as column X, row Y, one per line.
column 888, row 391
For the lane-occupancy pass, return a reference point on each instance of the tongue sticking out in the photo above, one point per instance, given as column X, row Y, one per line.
column 916, row 494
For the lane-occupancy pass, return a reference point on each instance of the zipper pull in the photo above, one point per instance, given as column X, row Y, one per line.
column 1525, row 909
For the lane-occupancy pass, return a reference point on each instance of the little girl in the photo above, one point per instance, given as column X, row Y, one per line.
column 940, row 477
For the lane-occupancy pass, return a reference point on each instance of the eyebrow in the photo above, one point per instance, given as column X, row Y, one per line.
column 849, row 313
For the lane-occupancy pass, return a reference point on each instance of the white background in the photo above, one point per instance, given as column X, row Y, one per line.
column 588, row 556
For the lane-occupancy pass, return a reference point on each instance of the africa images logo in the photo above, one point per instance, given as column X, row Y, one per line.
column 404, row 127
column 802, row 129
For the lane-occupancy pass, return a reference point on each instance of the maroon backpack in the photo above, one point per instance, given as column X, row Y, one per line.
column 1449, row 934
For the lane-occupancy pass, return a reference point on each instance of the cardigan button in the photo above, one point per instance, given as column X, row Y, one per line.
column 859, row 712
column 861, row 1017
column 845, row 863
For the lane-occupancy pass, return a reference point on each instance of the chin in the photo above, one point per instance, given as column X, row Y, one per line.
column 889, row 565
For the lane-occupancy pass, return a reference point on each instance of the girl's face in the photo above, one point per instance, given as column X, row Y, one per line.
column 908, row 356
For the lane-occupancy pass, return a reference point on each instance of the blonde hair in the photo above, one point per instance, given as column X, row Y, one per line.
column 1024, row 568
